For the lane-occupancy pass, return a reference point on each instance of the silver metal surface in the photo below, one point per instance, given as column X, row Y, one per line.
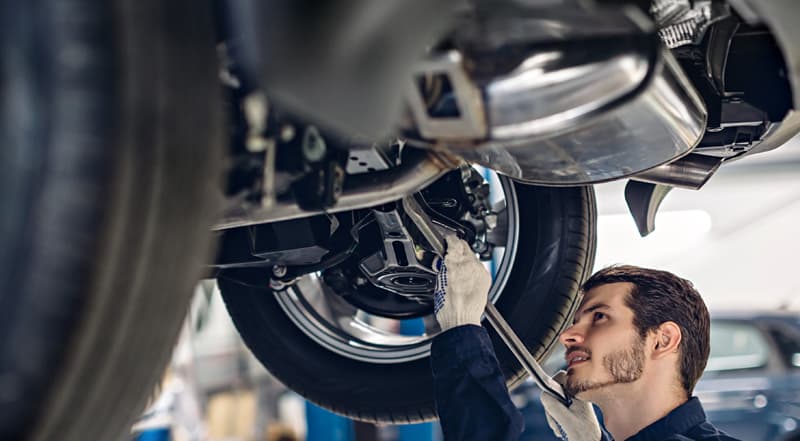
column 531, row 22
column 471, row 122
column 279, row 270
column 497, row 233
column 568, row 118
column 549, row 92
column 424, row 225
column 366, row 161
column 342, row 328
column 612, row 136
column 313, row 147
column 681, row 22
column 419, row 170
column 692, row 172
column 256, row 111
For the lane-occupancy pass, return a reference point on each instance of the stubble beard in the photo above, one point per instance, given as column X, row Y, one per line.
column 624, row 366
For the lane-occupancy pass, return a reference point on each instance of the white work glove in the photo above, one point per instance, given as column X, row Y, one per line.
column 577, row 422
column 462, row 286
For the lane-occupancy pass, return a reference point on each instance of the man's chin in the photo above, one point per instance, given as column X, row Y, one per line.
column 588, row 394
column 573, row 388
column 584, row 389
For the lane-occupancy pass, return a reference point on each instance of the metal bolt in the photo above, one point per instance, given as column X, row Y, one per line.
column 338, row 181
column 479, row 246
column 491, row 221
column 256, row 144
column 279, row 270
column 287, row 133
column 255, row 111
column 314, row 148
column 277, row 285
column 466, row 171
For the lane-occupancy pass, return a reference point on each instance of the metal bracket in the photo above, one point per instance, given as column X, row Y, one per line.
column 397, row 267
column 471, row 121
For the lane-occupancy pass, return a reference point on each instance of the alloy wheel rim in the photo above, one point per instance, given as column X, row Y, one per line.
column 342, row 328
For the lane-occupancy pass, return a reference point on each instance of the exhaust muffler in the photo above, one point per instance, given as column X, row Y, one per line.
column 591, row 104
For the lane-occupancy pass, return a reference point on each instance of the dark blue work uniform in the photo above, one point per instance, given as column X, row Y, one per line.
column 474, row 405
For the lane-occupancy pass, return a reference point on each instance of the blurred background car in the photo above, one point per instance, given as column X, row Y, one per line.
column 750, row 388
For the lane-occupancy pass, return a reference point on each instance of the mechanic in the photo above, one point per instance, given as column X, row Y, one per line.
column 637, row 346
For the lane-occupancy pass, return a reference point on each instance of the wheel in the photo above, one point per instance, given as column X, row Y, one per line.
column 377, row 369
column 108, row 125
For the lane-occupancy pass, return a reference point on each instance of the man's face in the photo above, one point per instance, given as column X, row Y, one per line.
column 603, row 347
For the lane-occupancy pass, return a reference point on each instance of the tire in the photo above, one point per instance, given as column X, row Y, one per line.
column 108, row 124
column 554, row 254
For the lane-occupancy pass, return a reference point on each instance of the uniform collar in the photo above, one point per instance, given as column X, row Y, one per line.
column 680, row 420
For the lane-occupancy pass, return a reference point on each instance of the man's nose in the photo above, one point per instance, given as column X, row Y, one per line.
column 571, row 336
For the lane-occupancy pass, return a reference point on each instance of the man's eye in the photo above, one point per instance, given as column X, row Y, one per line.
column 598, row 316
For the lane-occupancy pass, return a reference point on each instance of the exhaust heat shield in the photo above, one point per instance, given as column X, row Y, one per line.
column 565, row 113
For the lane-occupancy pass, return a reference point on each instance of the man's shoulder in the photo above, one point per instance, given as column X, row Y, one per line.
column 704, row 431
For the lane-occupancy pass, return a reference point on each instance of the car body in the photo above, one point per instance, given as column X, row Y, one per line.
column 333, row 132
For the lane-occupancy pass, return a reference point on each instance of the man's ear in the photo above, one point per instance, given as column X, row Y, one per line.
column 667, row 339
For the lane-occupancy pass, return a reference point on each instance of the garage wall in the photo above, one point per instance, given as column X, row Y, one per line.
column 737, row 239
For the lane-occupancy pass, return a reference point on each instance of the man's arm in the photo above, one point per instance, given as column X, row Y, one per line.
column 471, row 395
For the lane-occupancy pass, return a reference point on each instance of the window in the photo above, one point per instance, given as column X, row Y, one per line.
column 736, row 346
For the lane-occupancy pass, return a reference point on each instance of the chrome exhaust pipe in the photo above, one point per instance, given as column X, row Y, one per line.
column 418, row 170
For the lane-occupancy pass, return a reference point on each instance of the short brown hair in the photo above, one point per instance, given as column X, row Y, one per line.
column 660, row 296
